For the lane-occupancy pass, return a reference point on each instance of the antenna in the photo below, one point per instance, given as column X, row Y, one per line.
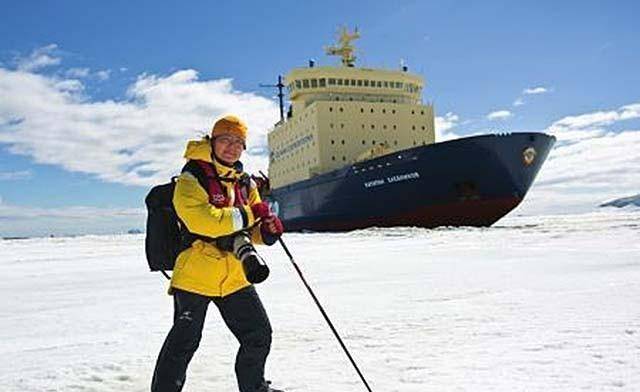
column 280, row 86
column 344, row 48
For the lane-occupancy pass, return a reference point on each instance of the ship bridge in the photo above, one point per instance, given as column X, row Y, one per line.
column 307, row 85
column 340, row 115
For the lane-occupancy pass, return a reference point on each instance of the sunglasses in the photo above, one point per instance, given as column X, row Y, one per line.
column 230, row 141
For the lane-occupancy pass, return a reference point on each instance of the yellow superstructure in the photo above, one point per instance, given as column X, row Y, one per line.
column 341, row 115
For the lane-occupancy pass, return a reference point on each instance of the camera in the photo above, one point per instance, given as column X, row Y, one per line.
column 255, row 269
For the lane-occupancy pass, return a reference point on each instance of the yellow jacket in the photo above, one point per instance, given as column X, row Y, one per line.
column 203, row 268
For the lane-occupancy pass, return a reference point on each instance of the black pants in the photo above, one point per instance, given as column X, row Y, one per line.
column 242, row 312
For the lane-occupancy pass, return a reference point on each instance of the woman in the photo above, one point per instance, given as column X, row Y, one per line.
column 204, row 272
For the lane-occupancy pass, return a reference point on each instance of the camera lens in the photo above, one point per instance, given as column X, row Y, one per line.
column 255, row 269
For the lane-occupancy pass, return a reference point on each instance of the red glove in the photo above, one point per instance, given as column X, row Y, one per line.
column 271, row 229
column 261, row 210
column 272, row 225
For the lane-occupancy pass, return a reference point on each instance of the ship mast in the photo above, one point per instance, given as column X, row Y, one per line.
column 344, row 48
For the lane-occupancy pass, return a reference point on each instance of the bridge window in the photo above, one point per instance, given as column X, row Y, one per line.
column 359, row 82
column 385, row 84
column 339, row 82
column 353, row 82
column 323, row 82
column 298, row 84
column 366, row 83
column 314, row 83
column 305, row 83
column 332, row 81
column 379, row 83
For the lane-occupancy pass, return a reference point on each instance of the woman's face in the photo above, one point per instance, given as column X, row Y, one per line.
column 228, row 148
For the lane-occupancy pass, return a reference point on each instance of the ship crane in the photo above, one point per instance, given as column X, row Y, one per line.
column 344, row 49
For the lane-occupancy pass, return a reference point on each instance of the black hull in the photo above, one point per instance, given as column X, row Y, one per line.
column 471, row 181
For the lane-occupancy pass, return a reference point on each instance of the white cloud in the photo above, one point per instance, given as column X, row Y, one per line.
column 444, row 125
column 139, row 140
column 535, row 90
column 103, row 75
column 15, row 175
column 39, row 58
column 82, row 73
column 78, row 72
column 590, row 163
column 518, row 102
column 499, row 115
column 589, row 125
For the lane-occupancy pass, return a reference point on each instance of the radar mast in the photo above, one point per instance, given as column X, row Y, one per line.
column 344, row 48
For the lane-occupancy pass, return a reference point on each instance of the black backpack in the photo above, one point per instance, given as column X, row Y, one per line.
column 166, row 235
column 163, row 241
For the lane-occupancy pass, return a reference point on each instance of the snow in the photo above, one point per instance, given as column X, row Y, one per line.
column 547, row 303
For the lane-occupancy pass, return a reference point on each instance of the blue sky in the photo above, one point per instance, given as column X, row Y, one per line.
column 97, row 102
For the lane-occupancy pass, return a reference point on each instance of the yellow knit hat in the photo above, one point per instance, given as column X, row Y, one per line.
column 230, row 124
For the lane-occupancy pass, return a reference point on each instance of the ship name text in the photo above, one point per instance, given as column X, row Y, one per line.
column 392, row 179
column 292, row 146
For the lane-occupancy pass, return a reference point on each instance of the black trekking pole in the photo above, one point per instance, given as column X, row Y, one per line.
column 324, row 314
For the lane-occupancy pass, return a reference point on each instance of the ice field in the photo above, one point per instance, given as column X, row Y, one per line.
column 547, row 303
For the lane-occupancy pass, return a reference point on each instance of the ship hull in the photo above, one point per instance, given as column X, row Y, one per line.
column 472, row 181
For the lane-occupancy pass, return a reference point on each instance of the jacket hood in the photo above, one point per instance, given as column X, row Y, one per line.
column 199, row 149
